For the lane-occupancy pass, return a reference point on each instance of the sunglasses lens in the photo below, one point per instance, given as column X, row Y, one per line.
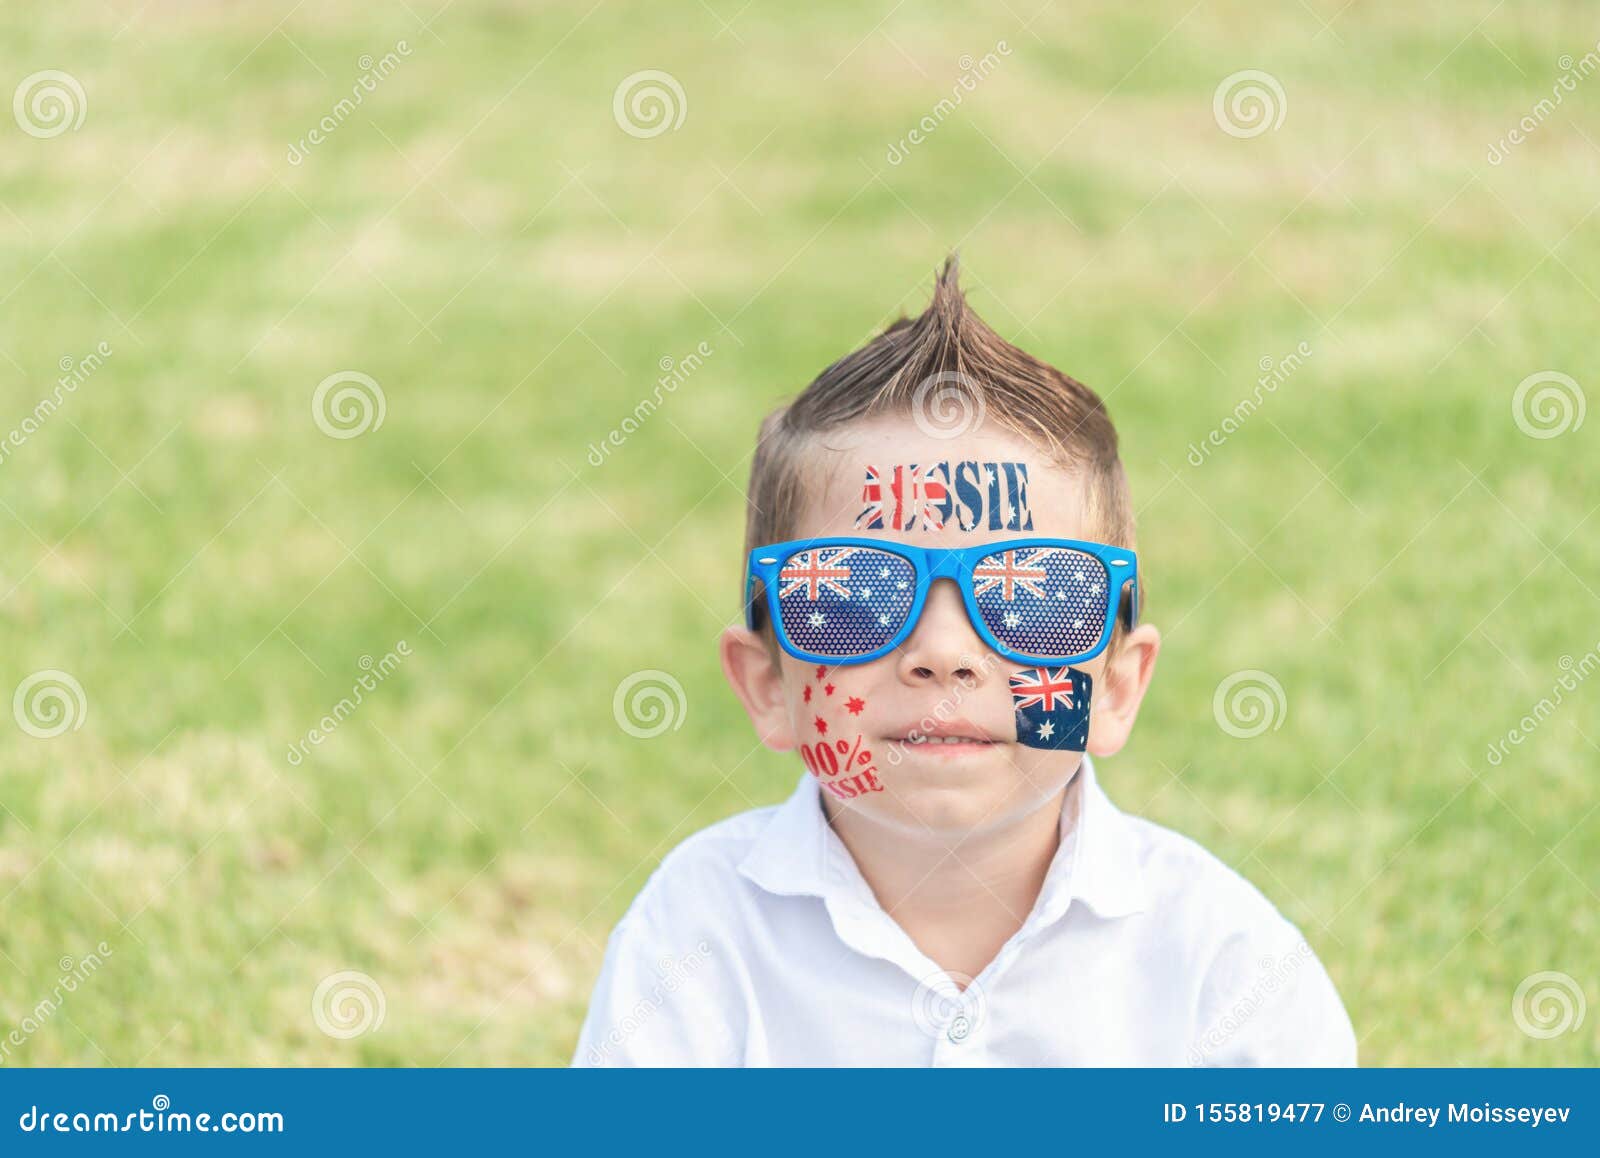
column 844, row 601
column 1048, row 602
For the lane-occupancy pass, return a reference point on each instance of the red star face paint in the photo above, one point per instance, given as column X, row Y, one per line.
column 977, row 495
column 842, row 765
column 1052, row 707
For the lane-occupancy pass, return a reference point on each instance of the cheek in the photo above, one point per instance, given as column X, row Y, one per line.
column 832, row 746
column 1052, row 707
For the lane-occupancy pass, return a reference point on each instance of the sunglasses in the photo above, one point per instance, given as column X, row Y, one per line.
column 1034, row 601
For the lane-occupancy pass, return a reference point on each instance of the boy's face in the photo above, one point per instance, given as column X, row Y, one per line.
column 943, row 684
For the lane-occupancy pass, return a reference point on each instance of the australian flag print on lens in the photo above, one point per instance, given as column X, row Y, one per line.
column 844, row 601
column 1052, row 708
column 1048, row 602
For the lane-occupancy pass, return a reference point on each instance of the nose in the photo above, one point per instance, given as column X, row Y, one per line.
column 943, row 650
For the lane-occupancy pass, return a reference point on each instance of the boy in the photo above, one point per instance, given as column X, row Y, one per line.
column 942, row 618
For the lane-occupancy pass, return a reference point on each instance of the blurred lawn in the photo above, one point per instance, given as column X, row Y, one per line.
column 483, row 239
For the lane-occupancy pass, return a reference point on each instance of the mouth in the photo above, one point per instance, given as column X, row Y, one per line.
column 948, row 737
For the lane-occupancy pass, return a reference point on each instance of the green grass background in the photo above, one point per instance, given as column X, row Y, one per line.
column 483, row 239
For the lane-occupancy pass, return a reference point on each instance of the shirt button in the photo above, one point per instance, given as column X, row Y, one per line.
column 960, row 1029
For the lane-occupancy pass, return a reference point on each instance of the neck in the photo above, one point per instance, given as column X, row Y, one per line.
column 961, row 897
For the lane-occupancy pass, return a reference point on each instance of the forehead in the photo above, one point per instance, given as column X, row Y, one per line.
column 860, row 472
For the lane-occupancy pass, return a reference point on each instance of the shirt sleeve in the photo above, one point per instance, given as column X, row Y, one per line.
column 663, row 999
column 1267, row 1001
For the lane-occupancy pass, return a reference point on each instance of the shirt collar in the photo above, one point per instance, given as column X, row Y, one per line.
column 1098, row 861
column 799, row 854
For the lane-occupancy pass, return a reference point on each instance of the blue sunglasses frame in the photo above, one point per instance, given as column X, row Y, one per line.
column 955, row 564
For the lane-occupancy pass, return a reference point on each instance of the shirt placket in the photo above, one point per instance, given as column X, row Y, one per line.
column 966, row 1031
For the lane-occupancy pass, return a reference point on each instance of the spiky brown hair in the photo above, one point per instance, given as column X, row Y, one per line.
column 947, row 343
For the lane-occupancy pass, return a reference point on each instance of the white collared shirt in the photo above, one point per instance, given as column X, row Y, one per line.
column 758, row 942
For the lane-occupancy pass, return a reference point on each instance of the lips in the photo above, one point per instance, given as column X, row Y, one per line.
column 945, row 734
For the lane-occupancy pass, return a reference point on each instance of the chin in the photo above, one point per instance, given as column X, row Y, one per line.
column 957, row 797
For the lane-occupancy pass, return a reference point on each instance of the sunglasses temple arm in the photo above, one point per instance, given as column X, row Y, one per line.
column 752, row 606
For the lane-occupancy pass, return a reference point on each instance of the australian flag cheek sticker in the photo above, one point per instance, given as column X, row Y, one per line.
column 1052, row 706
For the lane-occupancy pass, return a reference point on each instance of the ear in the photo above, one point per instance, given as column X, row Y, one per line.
column 1121, row 690
column 757, row 679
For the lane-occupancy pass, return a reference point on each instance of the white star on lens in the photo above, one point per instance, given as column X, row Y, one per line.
column 866, row 593
column 1077, row 623
column 1078, row 575
column 1061, row 594
column 816, row 619
column 1012, row 619
column 883, row 619
column 884, row 573
column 901, row 585
column 1046, row 730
